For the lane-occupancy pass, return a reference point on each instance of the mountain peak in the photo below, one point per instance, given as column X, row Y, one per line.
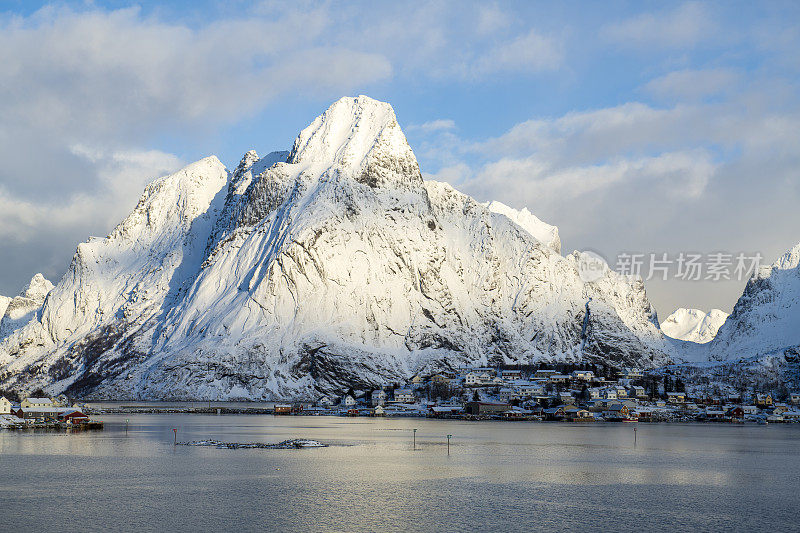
column 543, row 232
column 37, row 288
column 355, row 135
column 789, row 260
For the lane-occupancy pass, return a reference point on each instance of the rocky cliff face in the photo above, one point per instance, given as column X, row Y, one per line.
column 307, row 272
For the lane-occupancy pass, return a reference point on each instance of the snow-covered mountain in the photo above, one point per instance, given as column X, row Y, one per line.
column 17, row 311
column 4, row 301
column 693, row 325
column 766, row 318
column 543, row 231
column 311, row 271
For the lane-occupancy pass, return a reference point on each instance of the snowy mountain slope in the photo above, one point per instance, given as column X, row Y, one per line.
column 18, row 311
column 4, row 301
column 114, row 284
column 544, row 232
column 332, row 266
column 766, row 318
column 693, row 325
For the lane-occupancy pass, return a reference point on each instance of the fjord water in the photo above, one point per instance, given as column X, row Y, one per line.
column 503, row 476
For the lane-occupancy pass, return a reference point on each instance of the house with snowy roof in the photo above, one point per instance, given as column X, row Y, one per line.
column 638, row 392
column 36, row 402
column 617, row 411
column 582, row 375
column 378, row 397
column 676, row 397
column 764, row 400
column 404, row 396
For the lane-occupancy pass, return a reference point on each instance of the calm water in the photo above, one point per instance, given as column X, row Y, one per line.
column 500, row 476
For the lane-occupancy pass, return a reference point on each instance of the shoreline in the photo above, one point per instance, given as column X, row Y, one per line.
column 675, row 419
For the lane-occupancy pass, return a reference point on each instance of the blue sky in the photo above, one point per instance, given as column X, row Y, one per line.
column 632, row 126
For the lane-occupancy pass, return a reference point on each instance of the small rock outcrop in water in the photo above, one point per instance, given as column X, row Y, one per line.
column 285, row 445
column 304, row 273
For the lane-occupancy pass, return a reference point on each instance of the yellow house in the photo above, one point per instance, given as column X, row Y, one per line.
column 763, row 400
column 440, row 378
column 36, row 402
column 417, row 380
column 5, row 405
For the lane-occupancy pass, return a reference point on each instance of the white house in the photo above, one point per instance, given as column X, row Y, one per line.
column 528, row 388
column 594, row 393
column 622, row 392
column 482, row 377
column 36, row 402
column 476, row 378
column 794, row 398
column 610, row 394
column 403, row 396
column 507, row 394
column 5, row 405
column 511, row 375
column 638, row 392
column 348, row 401
column 378, row 397
column 326, row 401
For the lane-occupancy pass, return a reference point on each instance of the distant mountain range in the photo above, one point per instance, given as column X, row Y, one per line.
column 693, row 325
column 330, row 266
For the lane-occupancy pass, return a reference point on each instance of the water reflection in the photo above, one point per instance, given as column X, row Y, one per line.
column 504, row 475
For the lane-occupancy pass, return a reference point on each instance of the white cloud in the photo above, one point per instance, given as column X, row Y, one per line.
column 681, row 27
column 530, row 52
column 433, row 125
column 694, row 84
column 492, row 19
column 123, row 175
column 681, row 175
column 95, row 70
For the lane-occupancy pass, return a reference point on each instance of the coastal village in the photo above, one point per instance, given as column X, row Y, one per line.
column 563, row 394
column 44, row 412
column 556, row 394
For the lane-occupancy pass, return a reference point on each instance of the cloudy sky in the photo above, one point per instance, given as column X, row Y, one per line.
column 639, row 127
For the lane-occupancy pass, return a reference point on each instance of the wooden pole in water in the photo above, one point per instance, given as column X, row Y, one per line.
column 415, row 438
column 126, row 426
column 634, row 436
column 175, row 432
column 448, row 444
